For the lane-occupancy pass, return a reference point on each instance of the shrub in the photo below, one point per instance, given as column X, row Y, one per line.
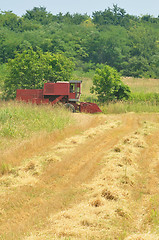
column 108, row 86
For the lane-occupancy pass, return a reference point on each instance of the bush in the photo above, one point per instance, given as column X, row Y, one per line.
column 108, row 86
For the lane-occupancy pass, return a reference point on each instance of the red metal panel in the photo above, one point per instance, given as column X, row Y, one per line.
column 72, row 95
column 89, row 107
column 49, row 88
column 59, row 88
column 29, row 94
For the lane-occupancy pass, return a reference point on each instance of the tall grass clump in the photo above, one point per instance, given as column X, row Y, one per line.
column 152, row 98
column 142, row 85
column 19, row 120
column 124, row 107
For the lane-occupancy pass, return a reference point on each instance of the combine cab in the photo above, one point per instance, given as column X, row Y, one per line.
column 67, row 93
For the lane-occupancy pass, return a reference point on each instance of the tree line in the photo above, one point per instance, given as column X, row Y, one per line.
column 128, row 43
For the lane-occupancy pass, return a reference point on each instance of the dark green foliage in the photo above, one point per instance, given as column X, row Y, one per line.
column 76, row 18
column 136, row 66
column 10, row 20
column 152, row 98
column 110, row 37
column 39, row 14
column 114, row 16
column 143, row 51
column 108, row 85
column 31, row 69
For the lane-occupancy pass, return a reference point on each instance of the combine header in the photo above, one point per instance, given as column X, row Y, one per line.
column 67, row 93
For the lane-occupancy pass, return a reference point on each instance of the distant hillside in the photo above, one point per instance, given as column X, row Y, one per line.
column 128, row 43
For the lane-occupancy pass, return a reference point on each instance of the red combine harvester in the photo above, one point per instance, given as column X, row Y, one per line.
column 67, row 93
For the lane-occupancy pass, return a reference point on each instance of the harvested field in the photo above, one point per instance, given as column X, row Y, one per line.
column 100, row 182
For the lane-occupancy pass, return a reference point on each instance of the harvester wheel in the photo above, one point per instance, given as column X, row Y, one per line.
column 70, row 107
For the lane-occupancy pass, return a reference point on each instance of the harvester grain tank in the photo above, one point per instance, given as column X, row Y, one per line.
column 67, row 93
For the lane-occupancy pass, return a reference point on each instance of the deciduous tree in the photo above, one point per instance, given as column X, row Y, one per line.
column 31, row 69
column 108, row 86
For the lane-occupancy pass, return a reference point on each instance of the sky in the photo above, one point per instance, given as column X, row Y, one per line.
column 133, row 7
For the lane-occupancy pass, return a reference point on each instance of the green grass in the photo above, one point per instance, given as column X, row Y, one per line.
column 81, row 74
column 151, row 97
column 19, row 120
column 142, row 85
column 124, row 107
